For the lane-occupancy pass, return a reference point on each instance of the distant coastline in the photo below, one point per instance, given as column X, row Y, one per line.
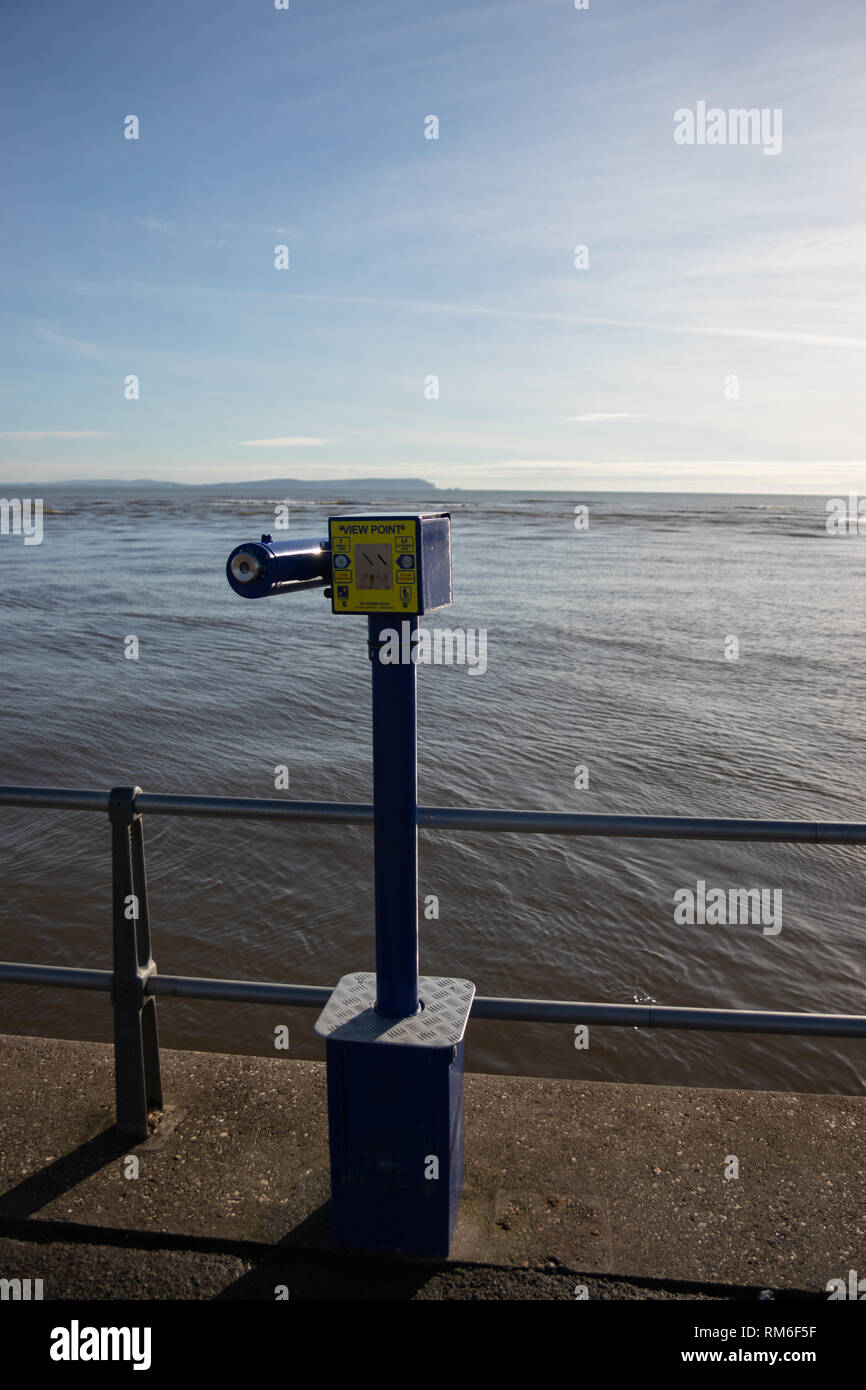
column 265, row 487
column 314, row 488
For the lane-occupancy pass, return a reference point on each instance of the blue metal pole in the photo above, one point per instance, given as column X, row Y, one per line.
column 395, row 818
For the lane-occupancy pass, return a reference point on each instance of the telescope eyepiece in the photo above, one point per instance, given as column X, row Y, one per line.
column 246, row 566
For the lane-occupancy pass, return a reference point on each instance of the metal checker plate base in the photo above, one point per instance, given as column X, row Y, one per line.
column 350, row 1014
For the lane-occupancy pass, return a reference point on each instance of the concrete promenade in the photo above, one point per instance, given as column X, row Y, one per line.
column 616, row 1187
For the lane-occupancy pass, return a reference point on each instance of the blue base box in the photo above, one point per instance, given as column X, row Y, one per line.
column 395, row 1116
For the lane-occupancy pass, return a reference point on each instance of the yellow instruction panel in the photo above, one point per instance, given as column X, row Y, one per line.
column 375, row 564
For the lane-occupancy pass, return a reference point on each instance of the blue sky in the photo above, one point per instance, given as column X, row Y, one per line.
column 412, row 257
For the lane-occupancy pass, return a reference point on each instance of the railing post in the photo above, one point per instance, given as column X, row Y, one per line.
column 137, row 1081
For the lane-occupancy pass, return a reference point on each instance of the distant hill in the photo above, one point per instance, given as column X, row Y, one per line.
column 262, row 487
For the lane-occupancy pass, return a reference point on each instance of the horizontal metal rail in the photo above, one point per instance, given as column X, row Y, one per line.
column 643, row 827
column 453, row 818
column 154, row 803
column 512, row 1010
column 134, row 984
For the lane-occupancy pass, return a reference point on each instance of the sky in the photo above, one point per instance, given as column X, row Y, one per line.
column 432, row 321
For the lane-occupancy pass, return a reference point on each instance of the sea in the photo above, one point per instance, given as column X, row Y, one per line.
column 647, row 654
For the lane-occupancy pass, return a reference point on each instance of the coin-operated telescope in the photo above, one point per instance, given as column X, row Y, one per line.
column 395, row 1041
column 375, row 564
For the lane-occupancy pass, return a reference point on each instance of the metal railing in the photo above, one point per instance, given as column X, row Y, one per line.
column 134, row 983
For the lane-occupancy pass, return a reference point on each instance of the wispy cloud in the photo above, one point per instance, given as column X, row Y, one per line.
column 275, row 231
column 51, row 434
column 288, row 442
column 79, row 346
column 156, row 224
column 258, row 227
column 601, row 415
column 218, row 295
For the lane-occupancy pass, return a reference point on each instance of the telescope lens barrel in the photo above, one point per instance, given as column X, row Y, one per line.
column 259, row 569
